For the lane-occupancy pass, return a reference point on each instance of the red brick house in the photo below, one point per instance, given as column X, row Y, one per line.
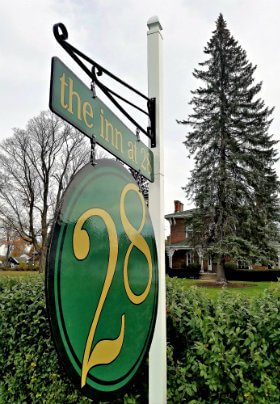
column 180, row 252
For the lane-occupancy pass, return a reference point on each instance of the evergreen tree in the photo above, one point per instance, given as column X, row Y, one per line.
column 233, row 184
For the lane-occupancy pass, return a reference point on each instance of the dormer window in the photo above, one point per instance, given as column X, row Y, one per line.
column 188, row 230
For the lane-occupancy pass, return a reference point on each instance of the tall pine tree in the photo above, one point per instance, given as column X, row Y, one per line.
column 233, row 184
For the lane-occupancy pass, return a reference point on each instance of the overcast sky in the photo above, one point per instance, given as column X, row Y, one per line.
column 114, row 34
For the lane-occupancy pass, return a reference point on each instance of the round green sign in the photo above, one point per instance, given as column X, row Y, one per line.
column 102, row 278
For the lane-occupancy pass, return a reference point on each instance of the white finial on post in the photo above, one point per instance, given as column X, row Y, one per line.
column 154, row 24
column 157, row 357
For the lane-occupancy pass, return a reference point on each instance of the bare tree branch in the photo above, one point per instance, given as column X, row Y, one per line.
column 36, row 166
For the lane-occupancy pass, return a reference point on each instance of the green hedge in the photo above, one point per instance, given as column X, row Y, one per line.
column 21, row 267
column 222, row 351
column 258, row 275
column 192, row 271
column 29, row 369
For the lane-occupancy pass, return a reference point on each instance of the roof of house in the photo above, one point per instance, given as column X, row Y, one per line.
column 182, row 214
column 180, row 245
column 23, row 257
column 13, row 260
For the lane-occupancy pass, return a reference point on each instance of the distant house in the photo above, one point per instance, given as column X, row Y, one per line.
column 13, row 262
column 34, row 259
column 23, row 258
column 17, row 249
column 180, row 251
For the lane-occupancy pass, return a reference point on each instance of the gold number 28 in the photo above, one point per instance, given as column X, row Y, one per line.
column 107, row 350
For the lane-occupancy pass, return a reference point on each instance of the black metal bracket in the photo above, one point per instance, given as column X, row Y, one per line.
column 61, row 35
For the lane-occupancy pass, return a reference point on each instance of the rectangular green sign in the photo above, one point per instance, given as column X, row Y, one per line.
column 72, row 100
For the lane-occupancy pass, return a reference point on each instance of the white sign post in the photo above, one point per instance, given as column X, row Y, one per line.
column 157, row 357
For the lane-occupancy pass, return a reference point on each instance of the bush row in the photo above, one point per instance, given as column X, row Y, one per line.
column 266, row 275
column 191, row 271
column 29, row 368
column 21, row 267
column 222, row 351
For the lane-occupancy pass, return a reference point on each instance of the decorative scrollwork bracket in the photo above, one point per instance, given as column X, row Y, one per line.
column 61, row 35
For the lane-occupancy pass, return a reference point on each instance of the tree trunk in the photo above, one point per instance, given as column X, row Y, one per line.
column 43, row 259
column 44, row 252
column 7, row 254
column 221, row 276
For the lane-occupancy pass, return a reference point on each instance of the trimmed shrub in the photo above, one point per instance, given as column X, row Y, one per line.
column 267, row 275
column 230, row 267
column 29, row 371
column 192, row 271
column 29, row 368
column 225, row 350
column 219, row 351
column 178, row 272
column 22, row 267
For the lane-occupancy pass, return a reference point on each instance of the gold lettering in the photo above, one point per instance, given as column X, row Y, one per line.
column 106, row 350
column 62, row 91
column 146, row 163
column 137, row 241
column 135, row 152
column 73, row 93
column 101, row 124
column 109, row 126
column 109, row 133
column 130, row 151
column 117, row 137
column 149, row 165
column 87, row 110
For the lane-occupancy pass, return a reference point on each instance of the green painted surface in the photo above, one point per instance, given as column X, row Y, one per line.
column 72, row 100
column 75, row 285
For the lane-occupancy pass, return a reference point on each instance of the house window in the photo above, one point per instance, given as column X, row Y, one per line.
column 188, row 230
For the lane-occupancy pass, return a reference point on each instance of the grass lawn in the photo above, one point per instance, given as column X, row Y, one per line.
column 250, row 289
